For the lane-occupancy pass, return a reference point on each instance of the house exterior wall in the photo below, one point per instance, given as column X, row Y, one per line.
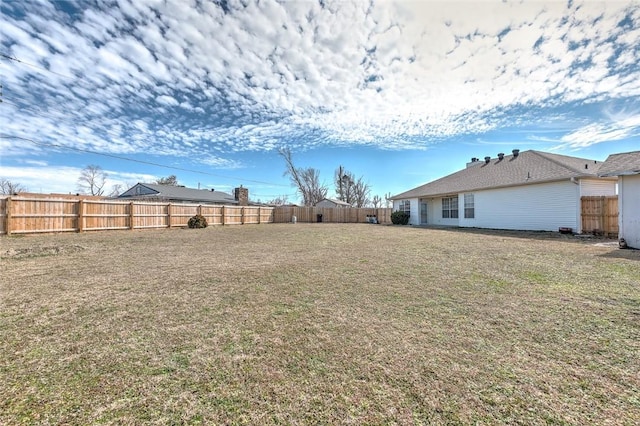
column 541, row 207
column 329, row 204
column 435, row 212
column 414, row 214
column 629, row 209
column 592, row 187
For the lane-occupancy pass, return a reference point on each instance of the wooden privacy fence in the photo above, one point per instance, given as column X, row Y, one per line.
column 22, row 215
column 25, row 215
column 285, row 214
column 600, row 215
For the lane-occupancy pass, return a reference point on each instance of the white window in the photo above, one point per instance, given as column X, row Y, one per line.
column 404, row 206
column 450, row 208
column 469, row 207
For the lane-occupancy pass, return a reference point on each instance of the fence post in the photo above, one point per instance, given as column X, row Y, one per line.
column 8, row 215
column 241, row 215
column 169, row 215
column 199, row 210
column 131, row 215
column 80, row 215
column 603, row 208
column 259, row 216
column 222, row 218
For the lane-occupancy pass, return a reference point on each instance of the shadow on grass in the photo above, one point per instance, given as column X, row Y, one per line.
column 532, row 235
column 628, row 254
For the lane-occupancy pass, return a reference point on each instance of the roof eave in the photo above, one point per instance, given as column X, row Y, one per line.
column 444, row 194
column 621, row 173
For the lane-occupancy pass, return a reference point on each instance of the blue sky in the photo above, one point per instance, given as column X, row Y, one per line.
column 399, row 93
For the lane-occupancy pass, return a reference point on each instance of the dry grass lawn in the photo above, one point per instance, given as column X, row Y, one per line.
column 318, row 323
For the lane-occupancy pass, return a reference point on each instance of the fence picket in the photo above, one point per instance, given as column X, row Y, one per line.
column 25, row 215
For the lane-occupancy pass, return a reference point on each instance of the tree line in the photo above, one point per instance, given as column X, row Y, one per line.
column 350, row 189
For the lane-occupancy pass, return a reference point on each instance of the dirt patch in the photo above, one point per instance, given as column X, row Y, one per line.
column 20, row 253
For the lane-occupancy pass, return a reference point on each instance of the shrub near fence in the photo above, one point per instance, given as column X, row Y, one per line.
column 22, row 215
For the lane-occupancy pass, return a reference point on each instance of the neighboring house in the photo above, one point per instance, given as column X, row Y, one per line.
column 180, row 194
column 56, row 196
column 626, row 167
column 528, row 190
column 330, row 202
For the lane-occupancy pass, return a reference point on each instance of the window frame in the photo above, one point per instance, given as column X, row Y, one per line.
column 450, row 207
column 469, row 206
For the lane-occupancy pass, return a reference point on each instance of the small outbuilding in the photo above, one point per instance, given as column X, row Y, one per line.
column 332, row 203
column 626, row 166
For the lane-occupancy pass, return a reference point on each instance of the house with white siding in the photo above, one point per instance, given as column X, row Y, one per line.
column 529, row 190
column 626, row 167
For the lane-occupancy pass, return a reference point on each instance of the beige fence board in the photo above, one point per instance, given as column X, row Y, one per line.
column 22, row 215
column 284, row 214
column 599, row 215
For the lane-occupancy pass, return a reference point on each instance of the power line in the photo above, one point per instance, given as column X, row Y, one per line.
column 150, row 163
column 11, row 58
column 5, row 56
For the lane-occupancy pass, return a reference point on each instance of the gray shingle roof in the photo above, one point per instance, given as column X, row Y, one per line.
column 337, row 202
column 627, row 163
column 528, row 167
column 180, row 193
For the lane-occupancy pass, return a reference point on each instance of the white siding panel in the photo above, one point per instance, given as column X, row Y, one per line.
column 542, row 207
column 629, row 209
column 414, row 214
column 437, row 219
column 594, row 187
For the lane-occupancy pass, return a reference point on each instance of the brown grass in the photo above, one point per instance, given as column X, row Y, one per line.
column 321, row 323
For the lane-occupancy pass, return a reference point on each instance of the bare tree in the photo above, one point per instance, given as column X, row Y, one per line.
column 279, row 201
column 376, row 201
column 307, row 181
column 171, row 180
column 116, row 190
column 8, row 188
column 387, row 198
column 92, row 180
column 351, row 190
column 344, row 181
column 361, row 193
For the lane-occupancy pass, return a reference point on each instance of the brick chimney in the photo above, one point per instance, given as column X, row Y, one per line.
column 242, row 196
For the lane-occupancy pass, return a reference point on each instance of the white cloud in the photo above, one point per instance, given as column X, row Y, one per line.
column 394, row 74
column 620, row 125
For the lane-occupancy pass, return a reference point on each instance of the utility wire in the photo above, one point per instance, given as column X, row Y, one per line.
column 11, row 58
column 150, row 163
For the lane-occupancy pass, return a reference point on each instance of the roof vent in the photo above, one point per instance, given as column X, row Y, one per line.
column 474, row 159
column 486, row 160
column 500, row 156
column 212, row 190
column 586, row 166
column 515, row 152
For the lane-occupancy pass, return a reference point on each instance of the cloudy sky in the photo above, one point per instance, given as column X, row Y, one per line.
column 399, row 93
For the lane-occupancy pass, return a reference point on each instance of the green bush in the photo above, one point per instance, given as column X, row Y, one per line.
column 197, row 221
column 399, row 218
